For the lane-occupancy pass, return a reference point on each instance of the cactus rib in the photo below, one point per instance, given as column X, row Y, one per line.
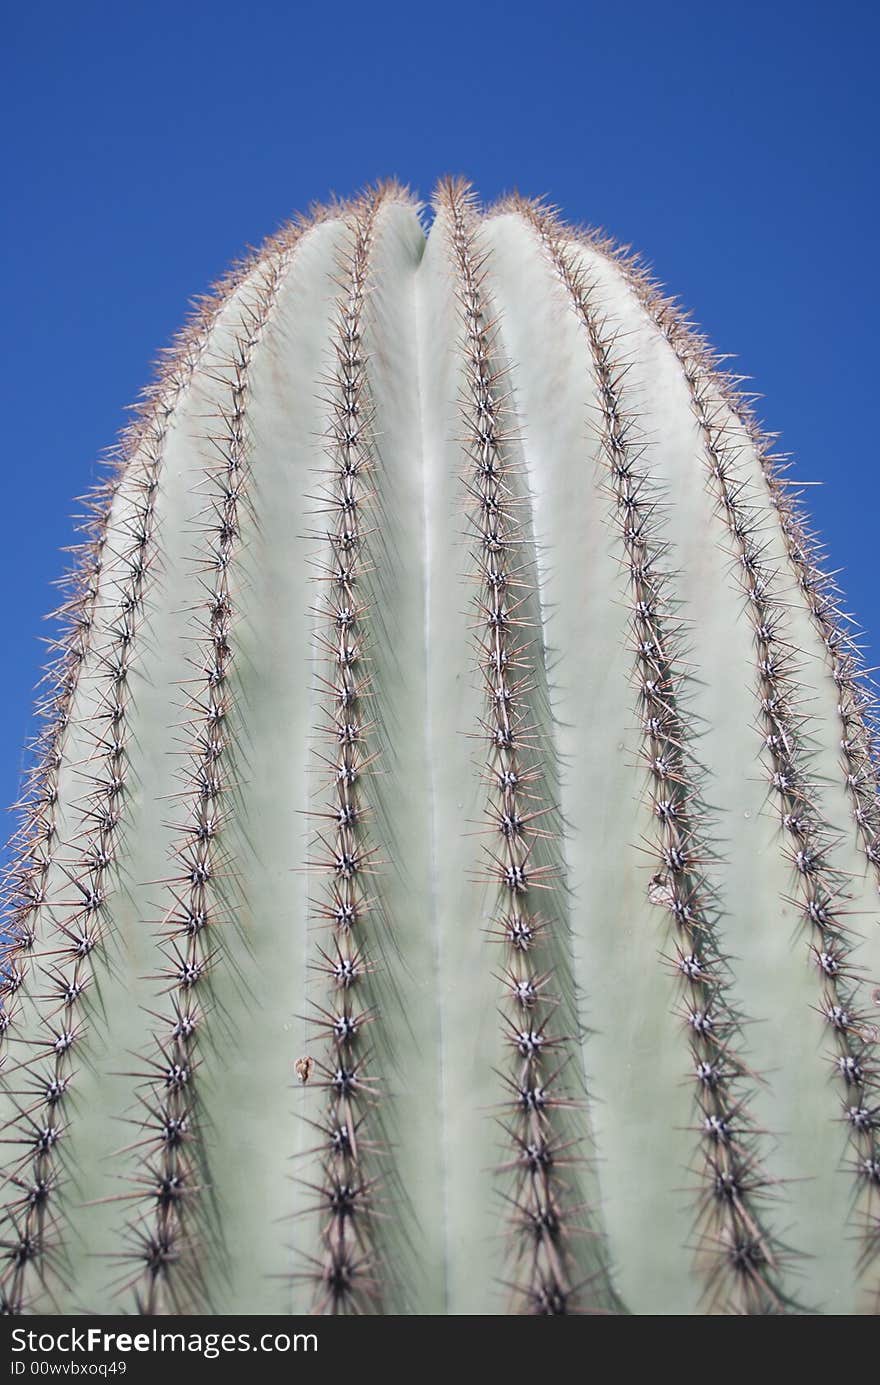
column 107, row 594
column 739, row 1253
column 347, row 1276
column 821, row 893
column 162, row 1244
column 821, row 890
column 543, row 1216
column 858, row 704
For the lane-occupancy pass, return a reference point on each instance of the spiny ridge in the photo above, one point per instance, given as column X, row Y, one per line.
column 347, row 1274
column 161, row 1259
column 99, row 620
column 544, row 1220
column 858, row 709
column 737, row 1251
column 727, row 423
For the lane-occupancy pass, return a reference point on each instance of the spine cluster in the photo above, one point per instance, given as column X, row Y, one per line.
column 735, row 1246
column 166, row 1182
column 345, row 1273
column 541, row 1216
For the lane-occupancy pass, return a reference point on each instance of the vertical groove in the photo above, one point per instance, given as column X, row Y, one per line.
column 444, row 1083
column 736, row 1250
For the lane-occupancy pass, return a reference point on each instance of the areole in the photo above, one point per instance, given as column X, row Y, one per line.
column 449, row 878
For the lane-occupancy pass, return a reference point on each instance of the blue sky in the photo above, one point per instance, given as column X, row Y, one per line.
column 147, row 144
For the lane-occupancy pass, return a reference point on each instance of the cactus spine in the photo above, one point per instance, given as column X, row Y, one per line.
column 732, row 1180
column 348, row 862
column 517, row 816
column 405, row 917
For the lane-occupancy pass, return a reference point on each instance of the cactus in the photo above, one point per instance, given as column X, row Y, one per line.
column 448, row 877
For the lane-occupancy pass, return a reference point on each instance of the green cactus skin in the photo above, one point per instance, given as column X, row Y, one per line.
column 449, row 695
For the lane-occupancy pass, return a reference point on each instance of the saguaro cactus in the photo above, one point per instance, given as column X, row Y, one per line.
column 448, row 878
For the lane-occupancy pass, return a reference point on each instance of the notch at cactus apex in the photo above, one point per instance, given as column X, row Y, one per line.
column 447, row 878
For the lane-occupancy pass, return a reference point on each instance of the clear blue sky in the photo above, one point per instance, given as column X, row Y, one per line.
column 147, row 144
